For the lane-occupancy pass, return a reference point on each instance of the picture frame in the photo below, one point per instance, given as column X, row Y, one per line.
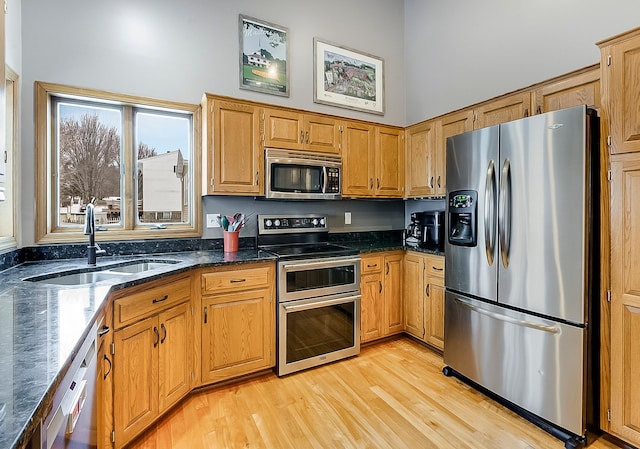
column 347, row 78
column 264, row 56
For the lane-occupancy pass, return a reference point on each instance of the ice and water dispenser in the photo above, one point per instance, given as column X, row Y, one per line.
column 463, row 218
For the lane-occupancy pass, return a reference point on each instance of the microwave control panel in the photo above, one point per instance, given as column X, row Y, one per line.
column 333, row 180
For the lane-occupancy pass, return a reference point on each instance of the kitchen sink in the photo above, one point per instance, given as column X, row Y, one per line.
column 85, row 276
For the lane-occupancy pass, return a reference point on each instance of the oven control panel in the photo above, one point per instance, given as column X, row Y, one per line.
column 292, row 223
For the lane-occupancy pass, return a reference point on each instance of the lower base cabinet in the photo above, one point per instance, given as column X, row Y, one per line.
column 381, row 290
column 238, row 321
column 424, row 297
column 151, row 353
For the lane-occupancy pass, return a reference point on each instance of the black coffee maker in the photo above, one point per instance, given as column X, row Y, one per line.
column 413, row 234
column 431, row 229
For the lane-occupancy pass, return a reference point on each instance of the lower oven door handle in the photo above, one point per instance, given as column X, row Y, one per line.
column 318, row 304
column 326, row 263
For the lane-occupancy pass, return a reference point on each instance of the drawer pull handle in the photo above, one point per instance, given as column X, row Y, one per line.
column 206, row 314
column 157, row 340
column 103, row 331
column 157, row 300
column 427, row 290
column 372, row 266
column 110, row 366
column 235, row 281
column 437, row 269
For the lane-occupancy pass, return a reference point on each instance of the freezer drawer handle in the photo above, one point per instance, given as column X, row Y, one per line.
column 522, row 323
column 489, row 212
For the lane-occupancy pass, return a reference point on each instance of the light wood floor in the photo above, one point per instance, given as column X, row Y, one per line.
column 392, row 396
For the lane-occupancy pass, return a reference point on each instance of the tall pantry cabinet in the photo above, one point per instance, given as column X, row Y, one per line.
column 620, row 78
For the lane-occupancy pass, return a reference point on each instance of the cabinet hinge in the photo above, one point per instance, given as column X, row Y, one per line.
column 113, row 348
column 608, row 295
column 609, row 175
column 193, row 376
column 340, row 128
column 211, row 182
column 262, row 137
column 262, row 116
column 475, row 116
column 609, row 140
column 609, row 414
column 609, row 61
column 113, row 436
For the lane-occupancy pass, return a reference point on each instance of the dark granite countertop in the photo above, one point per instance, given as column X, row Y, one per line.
column 42, row 327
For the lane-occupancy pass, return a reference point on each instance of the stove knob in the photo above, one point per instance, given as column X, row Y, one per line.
column 268, row 223
column 322, row 222
column 314, row 222
column 277, row 222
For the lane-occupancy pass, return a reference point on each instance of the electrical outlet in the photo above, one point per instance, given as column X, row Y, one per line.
column 347, row 218
column 212, row 220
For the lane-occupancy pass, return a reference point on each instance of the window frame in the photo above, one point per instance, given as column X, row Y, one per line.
column 11, row 242
column 46, row 230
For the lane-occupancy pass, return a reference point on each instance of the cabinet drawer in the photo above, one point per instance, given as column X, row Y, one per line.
column 150, row 301
column 370, row 264
column 435, row 266
column 234, row 280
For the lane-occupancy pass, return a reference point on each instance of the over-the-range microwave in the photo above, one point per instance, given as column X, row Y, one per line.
column 300, row 175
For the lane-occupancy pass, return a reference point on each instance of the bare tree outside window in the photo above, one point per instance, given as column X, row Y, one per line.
column 89, row 149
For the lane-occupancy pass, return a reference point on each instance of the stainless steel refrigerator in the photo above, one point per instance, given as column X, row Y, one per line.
column 521, row 276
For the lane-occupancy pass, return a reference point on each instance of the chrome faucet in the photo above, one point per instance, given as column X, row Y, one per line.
column 90, row 229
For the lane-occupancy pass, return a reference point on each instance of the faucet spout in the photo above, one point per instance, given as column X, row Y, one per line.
column 90, row 229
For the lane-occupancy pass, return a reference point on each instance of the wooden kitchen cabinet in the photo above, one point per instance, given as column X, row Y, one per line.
column 447, row 126
column 301, row 131
column 381, row 290
column 624, row 346
column 420, row 160
column 372, row 161
column 233, row 158
column 238, row 321
column 104, row 379
column 151, row 357
column 582, row 87
column 424, row 297
column 620, row 72
column 503, row 110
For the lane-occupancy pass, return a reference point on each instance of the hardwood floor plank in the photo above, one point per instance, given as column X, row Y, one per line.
column 392, row 396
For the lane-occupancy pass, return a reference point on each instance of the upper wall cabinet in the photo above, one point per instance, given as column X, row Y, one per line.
column 232, row 153
column 574, row 90
column 298, row 131
column 420, row 159
column 503, row 110
column 448, row 126
column 620, row 63
column 389, row 167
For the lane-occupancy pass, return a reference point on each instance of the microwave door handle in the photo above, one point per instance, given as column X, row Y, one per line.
column 323, row 179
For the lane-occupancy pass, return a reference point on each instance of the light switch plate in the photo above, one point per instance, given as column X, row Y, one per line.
column 212, row 220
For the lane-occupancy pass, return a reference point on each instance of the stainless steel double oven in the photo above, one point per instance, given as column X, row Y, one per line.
column 318, row 315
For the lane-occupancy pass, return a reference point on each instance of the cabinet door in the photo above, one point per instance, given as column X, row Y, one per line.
column 357, row 159
column 389, row 162
column 236, row 166
column 447, row 126
column 434, row 312
column 321, row 134
column 283, row 129
column 393, row 304
column 135, row 376
column 420, row 153
column 620, row 66
column 625, row 300
column 583, row 88
column 413, row 294
column 104, row 382
column 503, row 110
column 371, row 307
column 237, row 334
column 174, row 362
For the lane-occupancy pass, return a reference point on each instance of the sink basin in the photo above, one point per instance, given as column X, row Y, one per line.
column 91, row 275
column 79, row 278
column 139, row 267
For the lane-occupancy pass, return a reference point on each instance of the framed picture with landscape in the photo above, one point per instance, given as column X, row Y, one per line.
column 264, row 56
column 347, row 78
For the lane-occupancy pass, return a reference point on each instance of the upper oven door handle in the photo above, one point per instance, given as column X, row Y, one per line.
column 327, row 263
column 316, row 304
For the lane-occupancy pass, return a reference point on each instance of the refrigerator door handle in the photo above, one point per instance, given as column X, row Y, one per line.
column 504, row 212
column 490, row 212
column 508, row 319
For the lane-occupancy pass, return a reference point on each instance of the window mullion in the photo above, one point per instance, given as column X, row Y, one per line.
column 128, row 204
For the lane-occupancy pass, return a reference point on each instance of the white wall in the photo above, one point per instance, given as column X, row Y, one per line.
column 461, row 52
column 177, row 50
